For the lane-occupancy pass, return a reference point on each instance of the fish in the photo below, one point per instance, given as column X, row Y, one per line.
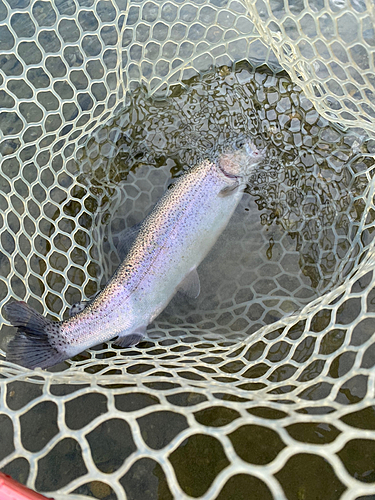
column 162, row 259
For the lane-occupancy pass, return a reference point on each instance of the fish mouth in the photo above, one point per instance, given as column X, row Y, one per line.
column 236, row 163
column 227, row 174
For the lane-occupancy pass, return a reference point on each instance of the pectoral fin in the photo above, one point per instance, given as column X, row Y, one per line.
column 228, row 190
column 133, row 338
column 190, row 286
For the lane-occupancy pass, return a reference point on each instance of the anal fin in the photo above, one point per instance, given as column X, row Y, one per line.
column 133, row 338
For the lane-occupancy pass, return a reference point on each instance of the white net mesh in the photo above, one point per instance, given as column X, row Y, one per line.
column 327, row 47
column 265, row 383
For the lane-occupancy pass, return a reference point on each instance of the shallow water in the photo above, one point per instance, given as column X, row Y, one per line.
column 292, row 239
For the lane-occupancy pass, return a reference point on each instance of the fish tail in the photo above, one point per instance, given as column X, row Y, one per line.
column 32, row 346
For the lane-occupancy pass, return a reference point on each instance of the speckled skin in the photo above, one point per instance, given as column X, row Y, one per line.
column 173, row 240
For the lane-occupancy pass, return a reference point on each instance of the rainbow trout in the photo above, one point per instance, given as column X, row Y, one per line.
column 172, row 241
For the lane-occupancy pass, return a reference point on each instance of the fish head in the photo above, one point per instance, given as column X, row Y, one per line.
column 239, row 163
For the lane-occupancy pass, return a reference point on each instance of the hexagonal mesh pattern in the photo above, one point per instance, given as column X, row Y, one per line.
column 266, row 381
column 328, row 49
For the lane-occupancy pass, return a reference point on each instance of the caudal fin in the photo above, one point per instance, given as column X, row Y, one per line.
column 31, row 347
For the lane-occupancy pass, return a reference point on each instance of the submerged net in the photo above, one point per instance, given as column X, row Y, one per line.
column 265, row 383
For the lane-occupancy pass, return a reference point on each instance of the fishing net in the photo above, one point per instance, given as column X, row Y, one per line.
column 263, row 387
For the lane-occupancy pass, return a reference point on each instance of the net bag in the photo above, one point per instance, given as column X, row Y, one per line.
column 264, row 385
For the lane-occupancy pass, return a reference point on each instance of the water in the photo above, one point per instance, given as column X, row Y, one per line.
column 293, row 235
column 292, row 239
